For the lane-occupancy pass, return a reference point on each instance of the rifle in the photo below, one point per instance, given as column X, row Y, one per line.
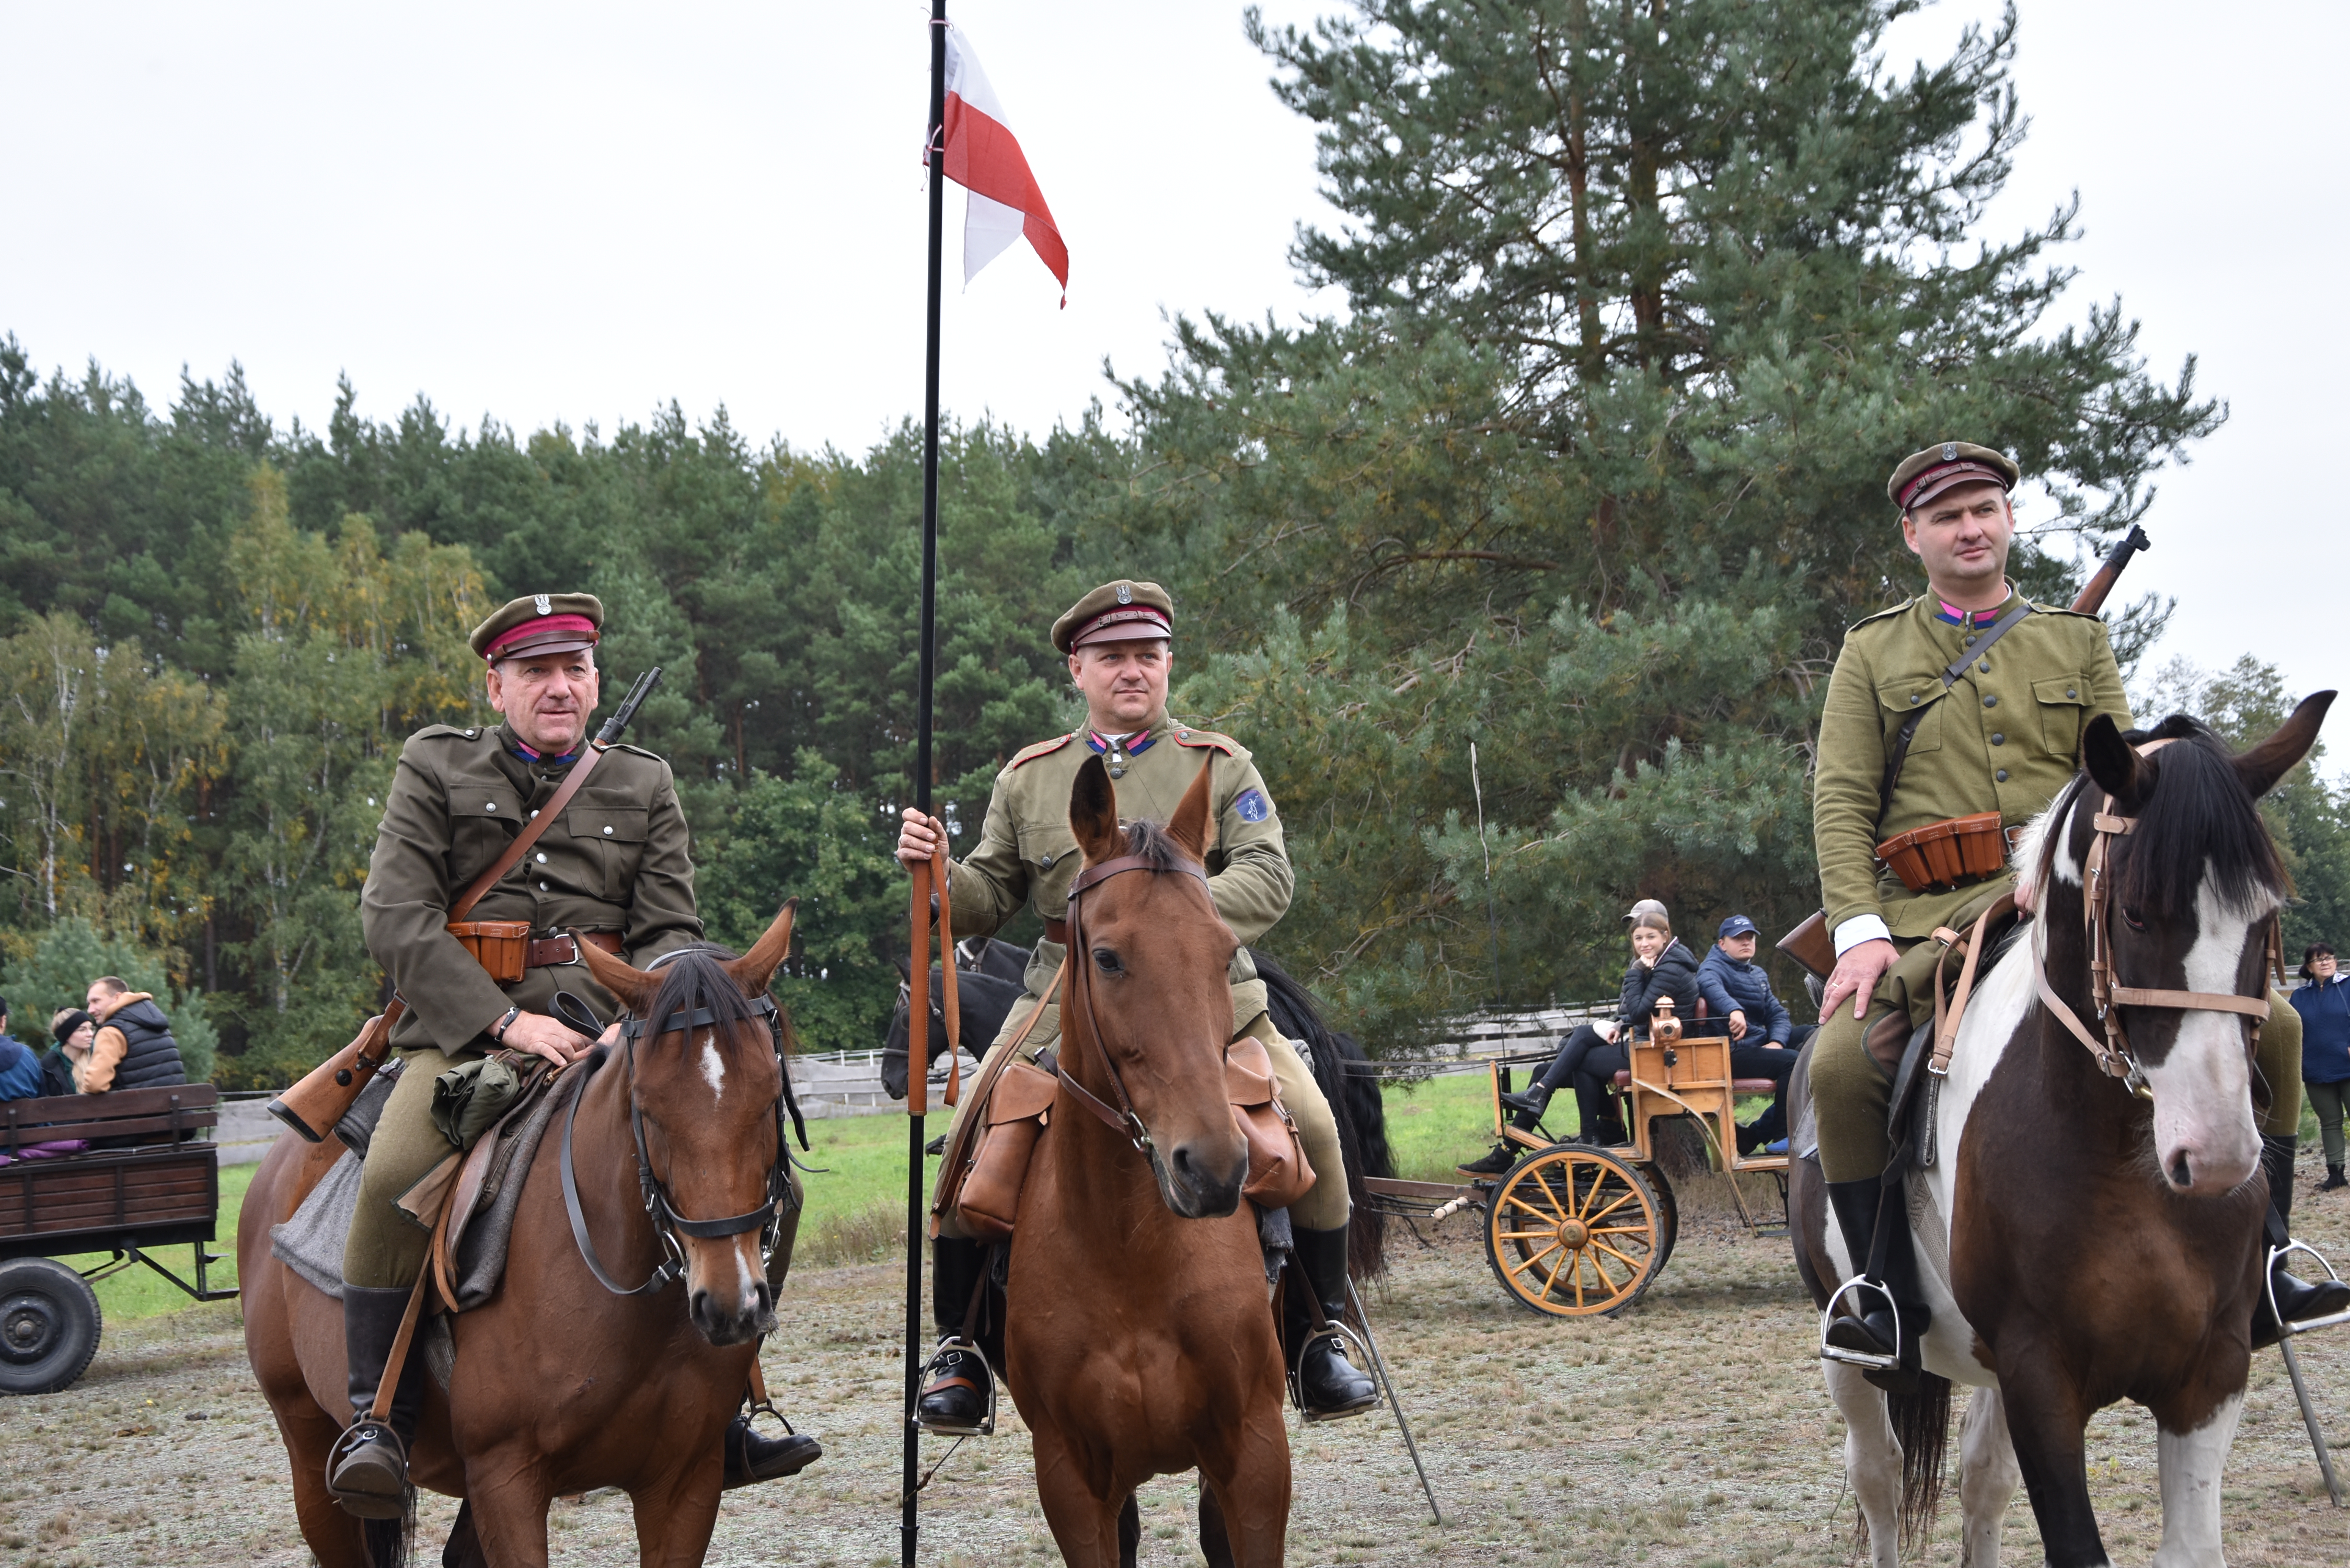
column 326, row 1093
column 1812, row 944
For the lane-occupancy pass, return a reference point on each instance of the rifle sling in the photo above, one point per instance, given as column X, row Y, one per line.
column 531, row 828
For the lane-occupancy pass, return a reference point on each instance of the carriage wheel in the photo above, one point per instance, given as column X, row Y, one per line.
column 1576, row 1233
column 49, row 1326
column 1669, row 1214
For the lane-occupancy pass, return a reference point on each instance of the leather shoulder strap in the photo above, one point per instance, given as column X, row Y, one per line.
column 531, row 829
column 1899, row 752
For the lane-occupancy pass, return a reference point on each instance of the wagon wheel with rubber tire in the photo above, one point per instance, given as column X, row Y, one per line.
column 1574, row 1231
column 49, row 1324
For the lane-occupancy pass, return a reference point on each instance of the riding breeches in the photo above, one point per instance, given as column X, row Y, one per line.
column 1324, row 1208
column 385, row 1246
column 1852, row 1091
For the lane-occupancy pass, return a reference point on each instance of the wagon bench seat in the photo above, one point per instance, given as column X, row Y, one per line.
column 1737, row 1086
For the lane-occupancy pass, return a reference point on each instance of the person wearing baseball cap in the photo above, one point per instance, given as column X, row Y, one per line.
column 1763, row 1035
column 1118, row 640
column 1593, row 1053
column 614, row 864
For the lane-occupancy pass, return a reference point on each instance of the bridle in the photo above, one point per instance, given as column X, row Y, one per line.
column 1123, row 1121
column 2112, row 1052
column 659, row 1208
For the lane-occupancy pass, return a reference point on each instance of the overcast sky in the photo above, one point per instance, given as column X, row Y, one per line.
column 579, row 213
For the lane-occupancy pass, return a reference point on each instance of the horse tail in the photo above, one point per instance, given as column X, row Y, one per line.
column 388, row 1542
column 1343, row 1074
column 1921, row 1424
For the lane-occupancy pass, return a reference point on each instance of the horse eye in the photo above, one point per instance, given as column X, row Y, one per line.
column 1106, row 961
column 2136, row 922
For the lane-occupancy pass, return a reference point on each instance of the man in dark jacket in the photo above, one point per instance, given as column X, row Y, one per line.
column 20, row 1065
column 134, row 1048
column 1763, row 1036
column 1594, row 1054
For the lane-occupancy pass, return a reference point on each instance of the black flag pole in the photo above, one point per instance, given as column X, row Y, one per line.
column 934, row 155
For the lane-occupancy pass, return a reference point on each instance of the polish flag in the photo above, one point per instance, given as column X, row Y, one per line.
column 985, row 158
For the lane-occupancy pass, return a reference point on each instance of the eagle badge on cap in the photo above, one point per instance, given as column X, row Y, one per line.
column 1950, row 451
column 1126, row 593
column 541, row 602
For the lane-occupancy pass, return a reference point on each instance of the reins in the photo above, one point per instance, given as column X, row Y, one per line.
column 659, row 1208
column 1123, row 1121
column 2114, row 1056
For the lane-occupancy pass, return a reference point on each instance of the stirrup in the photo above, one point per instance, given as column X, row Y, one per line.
column 360, row 1433
column 2276, row 1256
column 1860, row 1358
column 1359, row 1359
column 985, row 1425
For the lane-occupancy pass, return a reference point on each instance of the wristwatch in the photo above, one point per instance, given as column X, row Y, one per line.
column 498, row 1030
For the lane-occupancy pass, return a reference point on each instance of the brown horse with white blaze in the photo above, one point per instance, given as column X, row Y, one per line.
column 2091, row 1227
column 563, row 1381
column 1137, row 1338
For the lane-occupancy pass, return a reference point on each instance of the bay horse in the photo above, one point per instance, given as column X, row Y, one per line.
column 2082, row 1237
column 1137, row 1338
column 561, row 1383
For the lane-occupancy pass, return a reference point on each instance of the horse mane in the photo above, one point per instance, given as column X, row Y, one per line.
column 2197, row 815
column 695, row 977
column 1150, row 843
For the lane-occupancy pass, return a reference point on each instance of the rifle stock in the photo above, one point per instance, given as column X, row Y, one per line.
column 1812, row 944
column 326, row 1093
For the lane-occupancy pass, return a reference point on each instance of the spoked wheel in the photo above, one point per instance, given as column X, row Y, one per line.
column 1669, row 1214
column 1574, row 1231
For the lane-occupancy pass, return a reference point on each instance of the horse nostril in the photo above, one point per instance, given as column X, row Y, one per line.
column 2180, row 1175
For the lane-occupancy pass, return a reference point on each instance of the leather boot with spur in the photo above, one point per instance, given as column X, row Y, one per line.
column 2297, row 1300
column 1329, row 1385
column 751, row 1456
column 367, row 1471
column 958, row 1390
column 1872, row 1331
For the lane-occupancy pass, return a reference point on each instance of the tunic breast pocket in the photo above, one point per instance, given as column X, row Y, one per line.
column 483, row 821
column 2061, row 700
column 620, row 832
column 1920, row 696
column 1047, row 846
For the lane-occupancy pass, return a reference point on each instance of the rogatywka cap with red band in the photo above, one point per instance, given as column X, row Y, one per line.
column 540, row 624
column 1924, row 474
column 1122, row 611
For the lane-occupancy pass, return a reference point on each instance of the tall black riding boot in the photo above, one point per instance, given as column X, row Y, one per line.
column 1329, row 1385
column 957, row 1386
column 1873, row 1332
column 2297, row 1300
column 367, row 1473
column 751, row 1456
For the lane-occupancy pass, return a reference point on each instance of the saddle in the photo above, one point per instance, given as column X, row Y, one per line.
column 1015, row 1106
column 1925, row 1056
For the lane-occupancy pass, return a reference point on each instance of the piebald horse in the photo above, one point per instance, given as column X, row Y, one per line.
column 1138, row 1340
column 561, row 1383
column 2085, row 1238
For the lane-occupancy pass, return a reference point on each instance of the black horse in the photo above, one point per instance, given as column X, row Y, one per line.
column 988, row 983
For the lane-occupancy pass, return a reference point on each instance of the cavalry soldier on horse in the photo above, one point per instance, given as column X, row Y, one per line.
column 1118, row 641
column 1959, row 712
column 616, row 867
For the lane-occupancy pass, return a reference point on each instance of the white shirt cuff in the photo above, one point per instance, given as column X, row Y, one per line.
column 1858, row 930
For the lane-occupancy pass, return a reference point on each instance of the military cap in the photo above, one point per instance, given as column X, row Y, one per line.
column 1924, row 474
column 540, row 623
column 1122, row 611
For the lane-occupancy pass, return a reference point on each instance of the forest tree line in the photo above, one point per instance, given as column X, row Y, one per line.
column 1589, row 474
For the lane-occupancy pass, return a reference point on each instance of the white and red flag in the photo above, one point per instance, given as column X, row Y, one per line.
column 983, row 157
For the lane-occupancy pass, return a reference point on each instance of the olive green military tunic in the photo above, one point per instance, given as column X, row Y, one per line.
column 2006, row 738
column 617, row 862
column 1027, row 854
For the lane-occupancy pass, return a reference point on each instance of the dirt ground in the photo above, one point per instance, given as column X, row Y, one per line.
column 1693, row 1431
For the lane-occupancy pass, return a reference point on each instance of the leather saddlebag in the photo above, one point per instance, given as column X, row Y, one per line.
column 1017, row 1109
column 1278, row 1173
column 501, row 947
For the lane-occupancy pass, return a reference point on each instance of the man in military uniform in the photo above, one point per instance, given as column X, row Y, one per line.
column 1117, row 639
column 2004, row 737
column 616, row 868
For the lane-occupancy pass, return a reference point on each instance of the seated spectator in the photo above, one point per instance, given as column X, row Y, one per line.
column 20, row 1065
column 61, row 1069
column 133, row 1048
column 1591, row 1055
column 1763, row 1036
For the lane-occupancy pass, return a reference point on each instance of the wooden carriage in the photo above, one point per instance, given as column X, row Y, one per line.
column 143, row 1178
column 1575, row 1229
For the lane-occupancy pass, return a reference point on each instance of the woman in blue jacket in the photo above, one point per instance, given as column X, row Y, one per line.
column 2325, row 1008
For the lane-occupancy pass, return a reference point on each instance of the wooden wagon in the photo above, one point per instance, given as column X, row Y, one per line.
column 122, row 1173
column 1575, row 1229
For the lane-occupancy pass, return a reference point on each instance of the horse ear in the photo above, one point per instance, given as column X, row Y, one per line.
column 1189, row 825
column 1093, row 813
column 2261, row 767
column 754, row 969
column 634, row 987
column 2110, row 759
